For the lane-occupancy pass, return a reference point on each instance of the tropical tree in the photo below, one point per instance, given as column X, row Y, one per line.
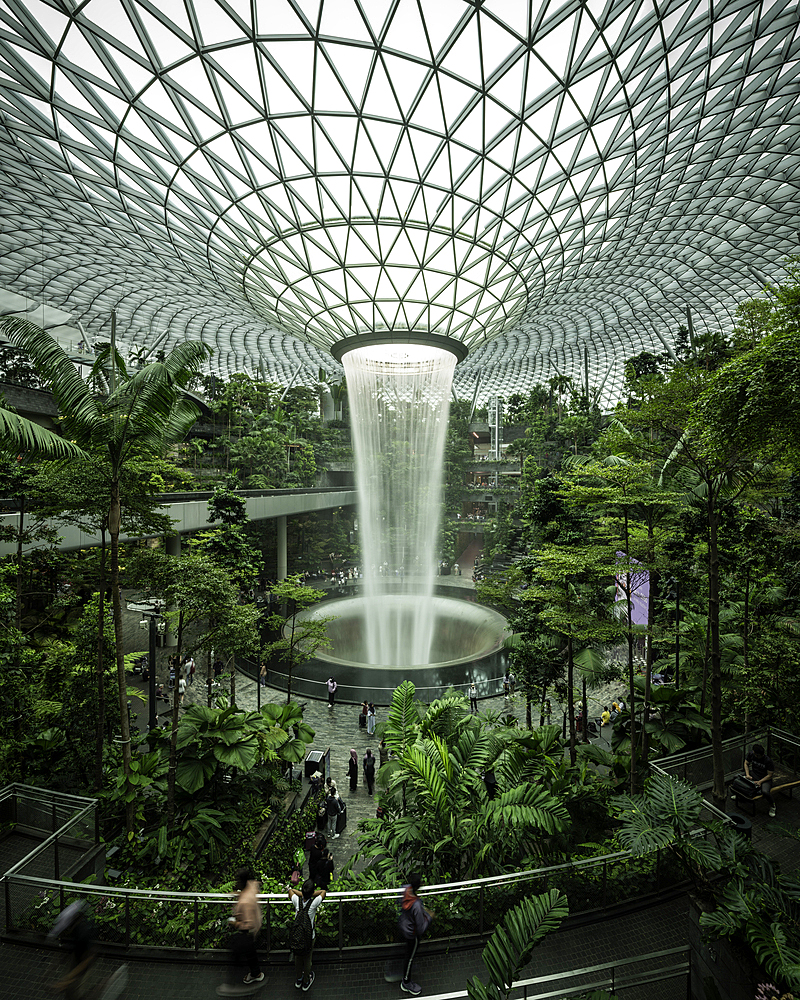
column 142, row 413
column 442, row 815
column 298, row 638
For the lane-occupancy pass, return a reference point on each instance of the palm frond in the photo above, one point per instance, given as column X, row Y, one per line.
column 402, row 719
column 21, row 436
column 78, row 408
column 509, row 948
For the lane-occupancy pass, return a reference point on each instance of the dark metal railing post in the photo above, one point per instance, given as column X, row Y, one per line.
column 56, row 865
column 54, row 821
column 480, row 910
column 196, row 926
column 658, row 869
column 96, row 825
column 9, row 911
column 127, row 920
column 268, row 928
column 341, row 928
column 605, row 882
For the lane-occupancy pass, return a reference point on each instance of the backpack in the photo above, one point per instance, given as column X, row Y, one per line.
column 301, row 933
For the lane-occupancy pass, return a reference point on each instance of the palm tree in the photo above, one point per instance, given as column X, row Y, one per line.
column 443, row 818
column 141, row 413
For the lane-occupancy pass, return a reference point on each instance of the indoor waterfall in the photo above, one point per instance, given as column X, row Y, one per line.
column 399, row 398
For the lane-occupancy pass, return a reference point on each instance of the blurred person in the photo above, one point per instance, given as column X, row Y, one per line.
column 246, row 925
column 413, row 923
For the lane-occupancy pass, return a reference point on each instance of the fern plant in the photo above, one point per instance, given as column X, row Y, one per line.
column 763, row 907
column 509, row 948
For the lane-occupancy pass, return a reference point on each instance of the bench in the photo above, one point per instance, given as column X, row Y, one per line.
column 784, row 783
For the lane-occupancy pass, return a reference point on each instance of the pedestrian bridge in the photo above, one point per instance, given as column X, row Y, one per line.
column 189, row 512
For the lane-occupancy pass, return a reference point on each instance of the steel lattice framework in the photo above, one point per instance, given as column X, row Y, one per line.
column 551, row 184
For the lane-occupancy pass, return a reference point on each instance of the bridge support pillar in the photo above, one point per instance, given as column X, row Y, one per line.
column 282, row 557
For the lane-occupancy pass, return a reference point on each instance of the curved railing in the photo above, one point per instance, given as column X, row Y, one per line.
column 197, row 922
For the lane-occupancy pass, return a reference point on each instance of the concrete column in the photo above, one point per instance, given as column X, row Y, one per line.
column 282, row 556
column 173, row 549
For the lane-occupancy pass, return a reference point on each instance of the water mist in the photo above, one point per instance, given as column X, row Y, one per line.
column 399, row 399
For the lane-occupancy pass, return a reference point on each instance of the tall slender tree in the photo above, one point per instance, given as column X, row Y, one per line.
column 141, row 413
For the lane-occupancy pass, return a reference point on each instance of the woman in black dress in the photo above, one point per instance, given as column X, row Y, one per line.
column 352, row 770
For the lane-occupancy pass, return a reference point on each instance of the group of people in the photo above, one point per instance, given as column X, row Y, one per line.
column 608, row 716
column 368, row 767
column 367, row 717
column 413, row 922
column 509, row 684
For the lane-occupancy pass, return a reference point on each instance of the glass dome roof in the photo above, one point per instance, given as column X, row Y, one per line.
column 550, row 184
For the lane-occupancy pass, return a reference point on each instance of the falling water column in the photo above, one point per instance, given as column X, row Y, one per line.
column 399, row 397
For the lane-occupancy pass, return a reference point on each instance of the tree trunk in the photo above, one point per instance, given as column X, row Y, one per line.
column 718, row 795
column 746, row 639
column 585, row 712
column 18, row 602
column 571, row 700
column 648, row 668
column 114, row 517
column 99, row 671
column 631, row 688
column 173, row 736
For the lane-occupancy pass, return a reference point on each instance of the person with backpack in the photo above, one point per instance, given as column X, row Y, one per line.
column 414, row 920
column 302, row 932
column 369, row 771
column 333, row 809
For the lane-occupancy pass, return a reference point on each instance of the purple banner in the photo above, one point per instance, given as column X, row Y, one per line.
column 640, row 591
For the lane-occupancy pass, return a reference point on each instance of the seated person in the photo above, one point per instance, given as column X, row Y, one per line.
column 759, row 769
column 605, row 718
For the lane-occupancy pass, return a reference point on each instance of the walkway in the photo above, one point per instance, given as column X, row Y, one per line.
column 25, row 972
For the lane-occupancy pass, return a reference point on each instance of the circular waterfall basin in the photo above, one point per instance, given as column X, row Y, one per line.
column 467, row 646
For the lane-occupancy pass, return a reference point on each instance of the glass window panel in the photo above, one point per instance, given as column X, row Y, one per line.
column 497, row 44
column 406, row 32
column 353, row 64
column 216, row 25
column 169, row 46
column 407, row 77
column 112, row 17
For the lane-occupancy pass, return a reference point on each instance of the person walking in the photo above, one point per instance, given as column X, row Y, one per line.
column 341, row 819
column 473, row 698
column 362, row 716
column 181, row 689
column 512, row 683
column 352, row 770
column 371, row 719
column 331, row 685
column 323, row 871
column 369, row 771
column 332, row 808
column 319, row 848
column 188, row 668
column 302, row 932
column 505, row 686
column 413, row 922
column 262, row 675
column 246, row 924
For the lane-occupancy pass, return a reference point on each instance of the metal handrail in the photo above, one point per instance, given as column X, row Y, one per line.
column 446, row 888
column 612, row 980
